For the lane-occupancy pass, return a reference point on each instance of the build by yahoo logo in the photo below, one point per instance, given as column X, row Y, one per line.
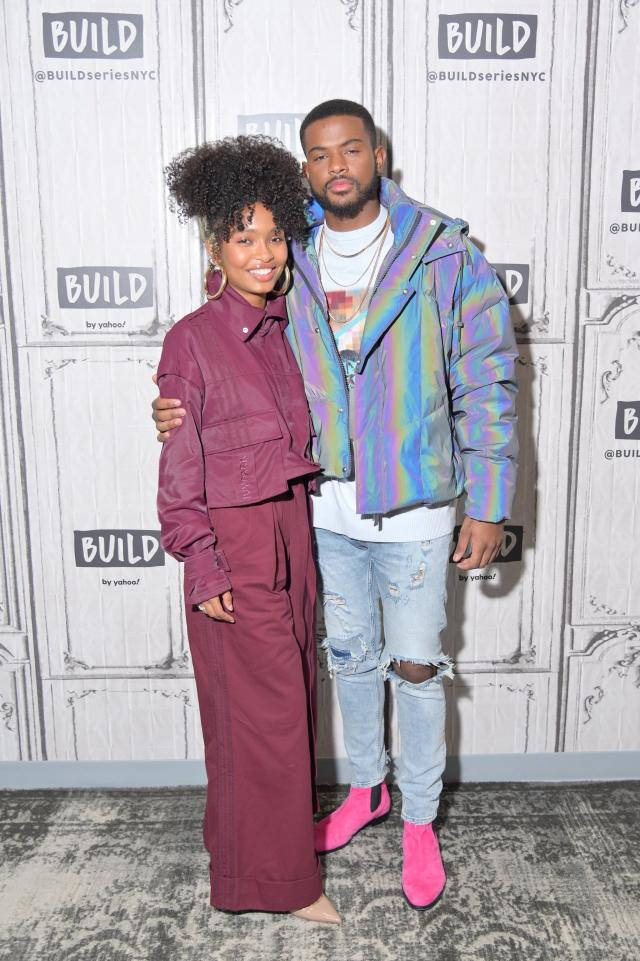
column 85, row 288
column 118, row 548
column 487, row 36
column 93, row 36
column 628, row 420
column 630, row 195
column 284, row 126
column 515, row 280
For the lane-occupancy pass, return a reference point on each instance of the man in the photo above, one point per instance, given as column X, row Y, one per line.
column 402, row 333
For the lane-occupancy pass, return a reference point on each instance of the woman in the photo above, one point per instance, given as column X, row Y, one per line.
column 233, row 505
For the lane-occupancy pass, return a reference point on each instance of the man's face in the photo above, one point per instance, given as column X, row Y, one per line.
column 342, row 166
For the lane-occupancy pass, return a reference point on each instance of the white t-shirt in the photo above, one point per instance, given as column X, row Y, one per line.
column 345, row 281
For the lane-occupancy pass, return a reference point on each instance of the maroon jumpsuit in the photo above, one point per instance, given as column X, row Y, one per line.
column 233, row 505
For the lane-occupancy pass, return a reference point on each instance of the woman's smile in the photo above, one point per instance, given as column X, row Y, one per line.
column 263, row 273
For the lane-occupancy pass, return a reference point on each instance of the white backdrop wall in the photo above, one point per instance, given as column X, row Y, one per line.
column 521, row 118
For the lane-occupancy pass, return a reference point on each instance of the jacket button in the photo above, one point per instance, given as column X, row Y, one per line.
column 405, row 291
column 345, row 470
column 245, row 330
column 433, row 222
column 449, row 244
column 341, row 410
column 317, row 330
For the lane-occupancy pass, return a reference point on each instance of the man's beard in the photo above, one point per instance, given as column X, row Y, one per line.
column 349, row 210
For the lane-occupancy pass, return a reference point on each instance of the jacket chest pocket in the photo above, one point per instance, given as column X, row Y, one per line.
column 242, row 459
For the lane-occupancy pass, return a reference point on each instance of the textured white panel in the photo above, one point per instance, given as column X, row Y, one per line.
column 18, row 735
column 19, row 726
column 7, row 571
column 501, row 714
column 16, row 742
column 503, row 153
column 122, row 720
column 9, row 733
column 86, row 156
column 614, row 233
column 603, row 702
column 606, row 576
column 506, row 615
column 13, row 548
column 92, row 461
column 264, row 79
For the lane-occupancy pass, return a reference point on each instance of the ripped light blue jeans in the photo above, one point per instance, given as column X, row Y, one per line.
column 385, row 602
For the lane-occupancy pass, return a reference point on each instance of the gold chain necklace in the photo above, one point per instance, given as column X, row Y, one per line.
column 357, row 280
column 366, row 247
column 341, row 323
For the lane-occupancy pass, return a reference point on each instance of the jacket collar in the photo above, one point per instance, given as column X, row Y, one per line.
column 404, row 214
column 421, row 234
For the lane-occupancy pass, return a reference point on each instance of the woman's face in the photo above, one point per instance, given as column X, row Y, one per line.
column 253, row 258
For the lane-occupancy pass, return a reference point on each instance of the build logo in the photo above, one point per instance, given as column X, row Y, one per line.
column 515, row 280
column 118, row 548
column 487, row 36
column 112, row 287
column 511, row 549
column 630, row 194
column 93, row 36
column 284, row 126
column 628, row 420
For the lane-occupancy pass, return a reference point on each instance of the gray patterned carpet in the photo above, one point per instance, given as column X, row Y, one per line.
column 536, row 872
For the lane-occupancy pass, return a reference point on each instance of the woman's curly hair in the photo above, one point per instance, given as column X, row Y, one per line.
column 216, row 181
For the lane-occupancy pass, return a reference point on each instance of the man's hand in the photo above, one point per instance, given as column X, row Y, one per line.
column 219, row 608
column 166, row 415
column 485, row 539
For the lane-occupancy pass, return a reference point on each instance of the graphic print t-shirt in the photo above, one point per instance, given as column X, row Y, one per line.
column 345, row 280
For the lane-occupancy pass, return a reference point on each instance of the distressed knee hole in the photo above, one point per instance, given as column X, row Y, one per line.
column 414, row 673
column 417, row 579
column 417, row 673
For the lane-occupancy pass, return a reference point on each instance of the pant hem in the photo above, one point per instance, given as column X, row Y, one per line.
column 375, row 783
column 255, row 894
column 417, row 820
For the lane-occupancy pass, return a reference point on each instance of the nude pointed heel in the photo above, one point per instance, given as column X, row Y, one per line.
column 321, row 911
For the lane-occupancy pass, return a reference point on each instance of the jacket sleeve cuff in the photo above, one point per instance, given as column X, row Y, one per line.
column 206, row 576
column 494, row 507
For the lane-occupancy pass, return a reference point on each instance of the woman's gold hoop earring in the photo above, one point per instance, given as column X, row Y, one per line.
column 223, row 282
column 286, row 273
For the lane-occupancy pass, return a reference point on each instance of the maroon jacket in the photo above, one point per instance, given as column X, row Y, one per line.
column 247, row 432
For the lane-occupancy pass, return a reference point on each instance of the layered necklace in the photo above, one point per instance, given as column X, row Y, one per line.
column 372, row 266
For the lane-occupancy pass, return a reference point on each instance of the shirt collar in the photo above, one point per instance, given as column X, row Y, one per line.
column 243, row 319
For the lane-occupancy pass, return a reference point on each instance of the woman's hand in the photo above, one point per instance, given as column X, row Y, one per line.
column 219, row 608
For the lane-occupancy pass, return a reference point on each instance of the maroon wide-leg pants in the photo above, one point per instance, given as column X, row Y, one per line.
column 256, row 690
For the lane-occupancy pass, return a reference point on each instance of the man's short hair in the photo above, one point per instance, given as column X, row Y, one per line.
column 339, row 108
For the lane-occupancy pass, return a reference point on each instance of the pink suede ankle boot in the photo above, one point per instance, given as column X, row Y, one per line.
column 423, row 876
column 363, row 806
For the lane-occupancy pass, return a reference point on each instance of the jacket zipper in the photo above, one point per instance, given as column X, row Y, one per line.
column 323, row 308
column 405, row 243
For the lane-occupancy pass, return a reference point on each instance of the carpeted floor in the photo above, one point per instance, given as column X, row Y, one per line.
column 535, row 872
